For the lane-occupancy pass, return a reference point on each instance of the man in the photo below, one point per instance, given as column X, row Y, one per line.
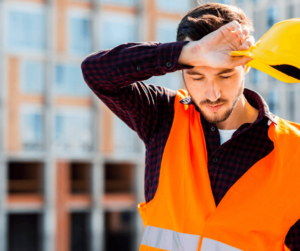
column 215, row 155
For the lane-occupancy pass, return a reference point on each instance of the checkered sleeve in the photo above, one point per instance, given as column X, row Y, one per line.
column 292, row 239
column 116, row 76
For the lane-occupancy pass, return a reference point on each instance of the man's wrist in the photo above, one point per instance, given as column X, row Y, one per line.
column 190, row 54
column 184, row 55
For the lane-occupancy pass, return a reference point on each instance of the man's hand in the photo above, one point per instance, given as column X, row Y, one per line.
column 214, row 49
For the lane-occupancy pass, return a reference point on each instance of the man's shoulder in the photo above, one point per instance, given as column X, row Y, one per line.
column 290, row 128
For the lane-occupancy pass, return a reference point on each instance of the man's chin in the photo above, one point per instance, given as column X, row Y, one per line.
column 216, row 117
column 215, row 120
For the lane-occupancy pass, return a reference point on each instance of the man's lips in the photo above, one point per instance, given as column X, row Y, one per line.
column 214, row 108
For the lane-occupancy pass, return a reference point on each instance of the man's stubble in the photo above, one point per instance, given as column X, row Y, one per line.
column 219, row 118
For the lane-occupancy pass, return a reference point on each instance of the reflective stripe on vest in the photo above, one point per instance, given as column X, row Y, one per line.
column 169, row 240
column 213, row 245
column 173, row 241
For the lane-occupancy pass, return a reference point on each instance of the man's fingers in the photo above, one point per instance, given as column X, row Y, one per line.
column 240, row 60
column 245, row 32
column 247, row 43
column 233, row 26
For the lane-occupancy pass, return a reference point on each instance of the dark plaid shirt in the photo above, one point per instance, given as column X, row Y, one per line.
column 116, row 76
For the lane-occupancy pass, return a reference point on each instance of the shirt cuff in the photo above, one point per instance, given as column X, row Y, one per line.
column 168, row 55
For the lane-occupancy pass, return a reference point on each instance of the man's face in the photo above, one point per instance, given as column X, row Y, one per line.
column 215, row 91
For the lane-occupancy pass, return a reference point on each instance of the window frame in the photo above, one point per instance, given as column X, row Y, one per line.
column 133, row 4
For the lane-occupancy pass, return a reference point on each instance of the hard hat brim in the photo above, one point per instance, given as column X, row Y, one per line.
column 264, row 66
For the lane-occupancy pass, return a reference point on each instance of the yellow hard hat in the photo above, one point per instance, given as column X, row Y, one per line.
column 277, row 53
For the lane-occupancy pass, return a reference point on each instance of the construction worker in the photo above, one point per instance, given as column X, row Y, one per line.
column 222, row 172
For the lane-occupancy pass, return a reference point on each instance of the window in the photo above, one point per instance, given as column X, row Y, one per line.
column 124, row 137
column 118, row 31
column 26, row 30
column 80, row 39
column 24, row 232
column 80, row 178
column 290, row 11
column 25, row 177
column 179, row 6
column 33, row 76
column 272, row 80
column 119, row 178
column 73, row 130
column 256, row 76
column 32, row 128
column 260, row 21
column 291, row 104
column 119, row 226
column 273, row 15
column 80, row 233
column 69, row 80
column 121, row 2
column 166, row 31
column 273, row 101
column 172, row 80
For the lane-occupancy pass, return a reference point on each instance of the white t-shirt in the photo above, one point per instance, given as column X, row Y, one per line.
column 225, row 135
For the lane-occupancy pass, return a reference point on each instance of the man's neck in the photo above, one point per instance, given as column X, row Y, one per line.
column 241, row 114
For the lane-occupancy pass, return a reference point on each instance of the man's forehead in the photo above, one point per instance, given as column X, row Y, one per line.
column 203, row 71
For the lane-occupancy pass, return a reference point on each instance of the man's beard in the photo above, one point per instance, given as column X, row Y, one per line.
column 215, row 118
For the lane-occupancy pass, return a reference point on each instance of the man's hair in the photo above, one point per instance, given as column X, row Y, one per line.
column 209, row 17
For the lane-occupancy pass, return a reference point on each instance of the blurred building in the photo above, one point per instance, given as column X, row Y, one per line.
column 71, row 173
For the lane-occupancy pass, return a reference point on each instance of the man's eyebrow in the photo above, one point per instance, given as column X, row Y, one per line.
column 225, row 71
column 193, row 72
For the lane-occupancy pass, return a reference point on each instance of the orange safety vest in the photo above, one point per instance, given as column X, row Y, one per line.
column 254, row 215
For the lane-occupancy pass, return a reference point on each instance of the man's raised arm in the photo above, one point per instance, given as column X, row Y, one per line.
column 116, row 76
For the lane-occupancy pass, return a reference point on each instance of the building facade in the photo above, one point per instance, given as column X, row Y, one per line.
column 71, row 173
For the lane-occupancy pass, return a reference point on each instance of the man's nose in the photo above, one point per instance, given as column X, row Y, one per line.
column 213, row 93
